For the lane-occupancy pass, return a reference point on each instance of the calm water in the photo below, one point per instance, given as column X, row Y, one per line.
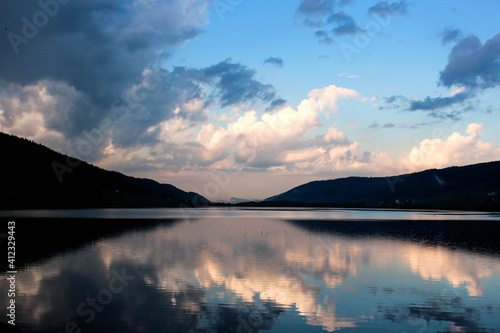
column 220, row 270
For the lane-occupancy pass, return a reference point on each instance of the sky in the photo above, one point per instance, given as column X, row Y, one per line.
column 250, row 98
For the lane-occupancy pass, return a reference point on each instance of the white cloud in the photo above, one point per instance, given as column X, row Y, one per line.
column 457, row 149
column 349, row 76
column 276, row 138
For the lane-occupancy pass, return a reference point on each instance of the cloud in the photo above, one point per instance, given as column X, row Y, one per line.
column 325, row 17
column 236, row 83
column 349, row 76
column 436, row 107
column 67, row 115
column 276, row 104
column 388, row 125
column 344, row 24
column 449, row 35
column 373, row 126
column 457, row 149
column 314, row 12
column 348, row 28
column 251, row 142
column 278, row 62
column 394, row 8
column 323, row 37
column 76, row 69
column 472, row 64
column 438, row 102
column 97, row 47
column 275, row 134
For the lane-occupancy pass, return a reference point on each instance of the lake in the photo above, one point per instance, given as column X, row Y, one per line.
column 255, row 270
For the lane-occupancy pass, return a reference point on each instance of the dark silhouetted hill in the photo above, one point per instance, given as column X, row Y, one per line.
column 475, row 187
column 34, row 176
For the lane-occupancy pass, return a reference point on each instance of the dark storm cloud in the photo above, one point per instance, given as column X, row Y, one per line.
column 278, row 62
column 472, row 64
column 450, row 35
column 98, row 61
column 438, row 102
column 231, row 84
column 394, row 8
column 98, row 48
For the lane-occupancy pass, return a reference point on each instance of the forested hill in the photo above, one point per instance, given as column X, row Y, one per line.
column 468, row 187
column 34, row 176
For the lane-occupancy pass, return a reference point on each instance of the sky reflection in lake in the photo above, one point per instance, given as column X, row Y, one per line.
column 249, row 275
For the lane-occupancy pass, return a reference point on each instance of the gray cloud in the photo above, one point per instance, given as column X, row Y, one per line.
column 96, row 61
column 394, row 8
column 276, row 104
column 393, row 102
column 277, row 61
column 314, row 12
column 236, row 83
column 170, row 93
column 345, row 24
column 323, row 37
column 453, row 115
column 449, row 35
column 324, row 16
column 98, row 48
column 388, row 125
column 349, row 28
column 438, row 102
column 472, row 64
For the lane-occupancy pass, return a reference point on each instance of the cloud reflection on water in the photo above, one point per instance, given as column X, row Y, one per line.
column 213, row 272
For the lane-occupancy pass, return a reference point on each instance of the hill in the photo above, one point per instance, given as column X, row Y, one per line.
column 34, row 176
column 475, row 187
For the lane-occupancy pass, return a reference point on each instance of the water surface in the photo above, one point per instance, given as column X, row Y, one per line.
column 262, row 270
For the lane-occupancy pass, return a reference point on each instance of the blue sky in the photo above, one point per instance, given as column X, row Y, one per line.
column 250, row 98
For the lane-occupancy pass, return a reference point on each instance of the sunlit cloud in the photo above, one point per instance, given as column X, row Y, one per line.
column 457, row 149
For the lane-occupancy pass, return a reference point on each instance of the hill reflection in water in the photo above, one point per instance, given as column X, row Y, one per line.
column 249, row 275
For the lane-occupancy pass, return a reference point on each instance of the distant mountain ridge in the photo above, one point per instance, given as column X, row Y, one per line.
column 468, row 187
column 34, row 176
